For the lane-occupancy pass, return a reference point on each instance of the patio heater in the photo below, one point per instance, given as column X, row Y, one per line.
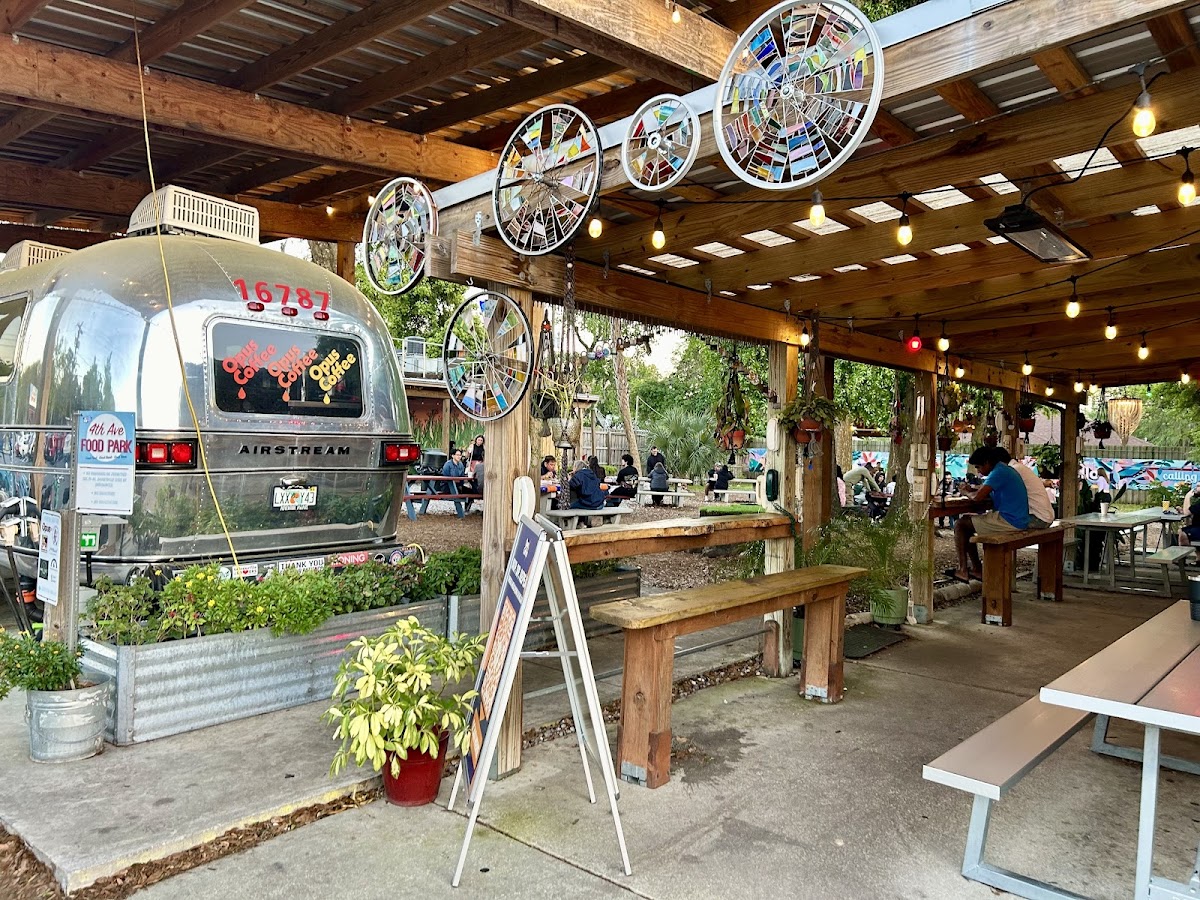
column 1025, row 228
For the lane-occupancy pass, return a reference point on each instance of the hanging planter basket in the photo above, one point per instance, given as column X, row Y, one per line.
column 803, row 433
column 991, row 439
column 1027, row 425
column 945, row 442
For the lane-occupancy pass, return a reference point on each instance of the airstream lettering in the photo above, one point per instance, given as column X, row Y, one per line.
column 292, row 402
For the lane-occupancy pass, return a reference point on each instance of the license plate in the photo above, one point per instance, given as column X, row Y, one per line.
column 293, row 498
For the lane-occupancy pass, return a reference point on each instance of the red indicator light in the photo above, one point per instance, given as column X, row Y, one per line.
column 399, row 454
column 391, row 452
column 255, row 306
column 290, row 311
column 321, row 316
column 914, row 344
column 182, row 454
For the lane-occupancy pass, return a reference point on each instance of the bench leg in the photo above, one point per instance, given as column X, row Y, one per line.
column 412, row 513
column 644, row 736
column 1166, row 577
column 997, row 585
column 822, row 672
column 1050, row 570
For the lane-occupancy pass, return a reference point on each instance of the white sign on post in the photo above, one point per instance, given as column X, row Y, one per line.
column 104, row 458
column 49, row 557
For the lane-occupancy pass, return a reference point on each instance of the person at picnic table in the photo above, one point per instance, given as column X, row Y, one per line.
column 1006, row 491
column 585, row 488
column 860, row 474
column 594, row 465
column 627, row 481
column 718, row 479
column 654, row 459
column 452, row 468
column 1041, row 511
column 477, row 449
column 659, row 483
column 841, row 485
column 549, row 471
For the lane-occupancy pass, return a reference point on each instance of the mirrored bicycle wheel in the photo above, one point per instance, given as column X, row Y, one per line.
column 548, row 180
column 661, row 143
column 401, row 218
column 488, row 356
column 798, row 93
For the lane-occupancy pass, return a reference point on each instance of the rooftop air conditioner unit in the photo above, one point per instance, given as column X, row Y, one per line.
column 190, row 212
column 414, row 346
column 30, row 253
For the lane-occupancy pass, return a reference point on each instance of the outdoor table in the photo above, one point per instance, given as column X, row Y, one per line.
column 1170, row 522
column 949, row 506
column 1115, row 683
column 546, row 496
column 1112, row 525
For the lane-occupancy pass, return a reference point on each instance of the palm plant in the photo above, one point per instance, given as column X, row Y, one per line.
column 683, row 438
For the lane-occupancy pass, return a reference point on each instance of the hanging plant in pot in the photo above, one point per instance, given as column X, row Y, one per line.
column 1026, row 417
column 733, row 410
column 405, row 716
column 946, row 436
column 66, row 714
column 807, row 417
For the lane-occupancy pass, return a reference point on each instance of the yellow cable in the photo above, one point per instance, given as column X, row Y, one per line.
column 187, row 395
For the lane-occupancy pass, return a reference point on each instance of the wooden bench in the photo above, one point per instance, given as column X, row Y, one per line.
column 569, row 518
column 651, row 625
column 669, row 498
column 1168, row 556
column 746, row 495
column 989, row 764
column 999, row 566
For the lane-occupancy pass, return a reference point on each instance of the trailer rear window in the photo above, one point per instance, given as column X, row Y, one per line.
column 11, row 313
column 285, row 371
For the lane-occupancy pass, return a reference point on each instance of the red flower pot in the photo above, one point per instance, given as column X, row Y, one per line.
column 800, row 435
column 811, row 424
column 991, row 440
column 736, row 439
column 420, row 776
column 1026, row 425
column 945, row 442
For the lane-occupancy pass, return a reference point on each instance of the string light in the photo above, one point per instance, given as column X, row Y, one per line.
column 1078, row 386
column 1144, row 122
column 943, row 343
column 675, row 17
column 1027, row 367
column 1185, row 378
column 329, row 210
column 659, row 238
column 904, row 232
column 371, row 199
column 1049, row 390
column 959, row 371
column 816, row 213
column 914, row 342
column 805, row 337
column 1187, row 182
column 1073, row 306
column 1143, row 351
column 1110, row 330
column 595, row 227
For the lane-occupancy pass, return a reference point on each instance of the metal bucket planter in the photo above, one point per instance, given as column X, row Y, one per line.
column 890, row 607
column 65, row 726
column 178, row 686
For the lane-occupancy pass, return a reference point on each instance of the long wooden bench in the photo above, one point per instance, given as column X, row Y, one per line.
column 667, row 498
column 988, row 765
column 999, row 566
column 1167, row 557
column 651, row 625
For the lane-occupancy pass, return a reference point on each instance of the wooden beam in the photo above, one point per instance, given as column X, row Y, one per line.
column 1176, row 39
column 37, row 185
column 61, row 237
column 523, row 89
column 320, row 46
column 695, row 44
column 667, row 535
column 66, row 80
column 329, row 186
column 1063, row 70
column 15, row 13
column 578, row 35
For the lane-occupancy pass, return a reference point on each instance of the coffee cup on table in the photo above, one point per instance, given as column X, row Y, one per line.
column 1104, row 509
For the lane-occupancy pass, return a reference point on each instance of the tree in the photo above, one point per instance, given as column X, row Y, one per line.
column 423, row 311
column 1171, row 414
column 685, row 439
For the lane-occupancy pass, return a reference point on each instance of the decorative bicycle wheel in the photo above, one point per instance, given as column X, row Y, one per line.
column 401, row 218
column 661, row 143
column 798, row 93
column 488, row 356
column 548, row 180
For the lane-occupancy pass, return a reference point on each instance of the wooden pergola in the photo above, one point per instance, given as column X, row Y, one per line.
column 303, row 107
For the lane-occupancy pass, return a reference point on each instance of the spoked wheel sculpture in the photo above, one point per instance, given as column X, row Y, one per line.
column 548, row 180
column 798, row 93
column 661, row 143
column 401, row 218
column 488, row 356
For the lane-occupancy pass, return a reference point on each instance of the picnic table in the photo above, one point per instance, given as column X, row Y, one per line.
column 1151, row 677
column 672, row 496
column 413, row 491
column 1110, row 526
column 745, row 488
column 942, row 507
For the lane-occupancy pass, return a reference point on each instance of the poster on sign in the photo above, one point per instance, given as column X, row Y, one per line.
column 104, row 459
column 49, row 557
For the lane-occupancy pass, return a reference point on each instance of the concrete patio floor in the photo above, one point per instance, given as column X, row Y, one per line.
column 774, row 796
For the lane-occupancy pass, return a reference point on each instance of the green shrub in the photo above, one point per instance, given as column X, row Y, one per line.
column 34, row 665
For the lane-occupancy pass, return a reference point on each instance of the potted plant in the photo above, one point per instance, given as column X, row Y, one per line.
column 807, row 417
column 66, row 714
column 732, row 412
column 1026, row 416
column 404, row 713
column 991, row 436
column 1102, row 429
column 945, row 435
column 1049, row 460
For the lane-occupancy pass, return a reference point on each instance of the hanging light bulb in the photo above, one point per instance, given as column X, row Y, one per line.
column 1110, row 330
column 1027, row 367
column 959, row 371
column 904, row 232
column 914, row 342
column 816, row 213
column 1078, row 386
column 1144, row 122
column 805, row 337
column 1049, row 390
column 1187, row 182
column 659, row 237
column 1143, row 351
column 329, row 210
column 675, row 17
column 370, row 199
column 595, row 227
column 943, row 343
column 1185, row 378
column 1073, row 306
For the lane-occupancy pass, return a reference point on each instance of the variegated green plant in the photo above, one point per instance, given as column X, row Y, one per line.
column 396, row 693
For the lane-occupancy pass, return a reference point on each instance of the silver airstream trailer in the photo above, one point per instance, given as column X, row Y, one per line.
column 288, row 369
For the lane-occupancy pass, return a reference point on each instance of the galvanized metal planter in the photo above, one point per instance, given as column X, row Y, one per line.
column 178, row 686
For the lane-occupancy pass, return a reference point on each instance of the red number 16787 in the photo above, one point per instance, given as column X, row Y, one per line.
column 265, row 292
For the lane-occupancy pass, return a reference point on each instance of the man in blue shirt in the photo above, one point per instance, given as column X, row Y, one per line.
column 1010, row 512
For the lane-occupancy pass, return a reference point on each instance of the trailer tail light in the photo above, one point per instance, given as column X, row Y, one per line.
column 397, row 454
column 165, row 454
column 321, row 316
column 255, row 306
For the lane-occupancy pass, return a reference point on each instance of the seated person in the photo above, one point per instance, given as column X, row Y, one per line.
column 475, row 485
column 627, row 481
column 1041, row 511
column 585, row 488
column 1003, row 487
column 659, row 483
column 549, row 469
column 453, row 467
column 718, row 479
column 841, row 486
column 594, row 465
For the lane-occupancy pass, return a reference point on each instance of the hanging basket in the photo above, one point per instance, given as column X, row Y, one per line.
column 1027, row 425
column 991, row 439
column 802, row 435
column 945, row 442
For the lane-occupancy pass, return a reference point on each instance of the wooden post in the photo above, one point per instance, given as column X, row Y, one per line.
column 819, row 467
column 780, row 553
column 507, row 445
column 1068, row 484
column 446, row 429
column 345, row 260
column 920, row 577
column 1010, row 438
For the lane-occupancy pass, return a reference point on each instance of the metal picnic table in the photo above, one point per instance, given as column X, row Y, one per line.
column 1111, row 525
